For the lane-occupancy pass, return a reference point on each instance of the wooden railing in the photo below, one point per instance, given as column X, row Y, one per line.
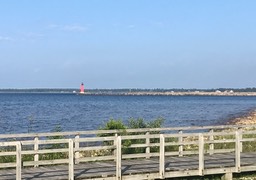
column 85, row 146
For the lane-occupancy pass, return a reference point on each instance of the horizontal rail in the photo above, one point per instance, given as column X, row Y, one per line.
column 94, row 148
column 7, row 153
column 158, row 143
column 94, row 139
column 44, row 151
column 10, row 165
column 46, row 162
column 99, row 158
column 141, row 130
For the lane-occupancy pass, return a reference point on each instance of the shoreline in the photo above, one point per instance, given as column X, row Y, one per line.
column 135, row 93
column 248, row 118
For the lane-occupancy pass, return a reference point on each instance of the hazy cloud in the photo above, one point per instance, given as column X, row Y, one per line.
column 36, row 70
column 5, row 38
column 53, row 26
column 74, row 28
column 71, row 28
column 34, row 35
column 131, row 26
column 31, row 36
column 158, row 24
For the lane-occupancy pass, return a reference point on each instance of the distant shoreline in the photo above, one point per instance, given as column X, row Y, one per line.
column 249, row 91
column 140, row 93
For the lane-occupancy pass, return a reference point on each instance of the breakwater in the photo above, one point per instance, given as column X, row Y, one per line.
column 201, row 93
column 173, row 93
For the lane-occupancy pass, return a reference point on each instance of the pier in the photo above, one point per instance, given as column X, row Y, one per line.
column 131, row 154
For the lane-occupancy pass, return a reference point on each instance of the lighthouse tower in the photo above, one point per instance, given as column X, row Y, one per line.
column 82, row 88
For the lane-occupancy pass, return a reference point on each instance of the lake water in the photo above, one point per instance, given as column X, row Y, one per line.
column 22, row 113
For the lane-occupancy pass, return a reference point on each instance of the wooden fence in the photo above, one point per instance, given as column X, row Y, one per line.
column 71, row 148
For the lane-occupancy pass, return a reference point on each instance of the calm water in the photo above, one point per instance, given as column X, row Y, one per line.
column 21, row 113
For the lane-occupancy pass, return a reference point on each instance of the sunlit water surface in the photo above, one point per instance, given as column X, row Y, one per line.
column 22, row 113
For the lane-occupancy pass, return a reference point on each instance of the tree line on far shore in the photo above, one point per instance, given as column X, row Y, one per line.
column 117, row 91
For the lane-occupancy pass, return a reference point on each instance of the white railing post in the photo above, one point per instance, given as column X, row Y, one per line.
column 148, row 145
column 180, row 144
column 162, row 157
column 211, row 144
column 18, row 161
column 201, row 154
column 36, row 148
column 240, row 130
column 238, row 150
column 77, row 145
column 71, row 160
column 118, row 158
column 116, row 135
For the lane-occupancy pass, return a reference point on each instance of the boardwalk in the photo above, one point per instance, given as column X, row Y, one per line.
column 174, row 166
column 192, row 154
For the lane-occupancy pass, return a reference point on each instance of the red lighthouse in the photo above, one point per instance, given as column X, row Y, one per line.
column 82, row 88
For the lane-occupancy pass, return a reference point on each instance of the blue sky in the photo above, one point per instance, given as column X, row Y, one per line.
column 127, row 44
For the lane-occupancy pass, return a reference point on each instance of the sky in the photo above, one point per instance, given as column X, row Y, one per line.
column 128, row 44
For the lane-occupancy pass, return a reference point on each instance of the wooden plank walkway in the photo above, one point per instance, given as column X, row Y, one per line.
column 179, row 166
column 155, row 153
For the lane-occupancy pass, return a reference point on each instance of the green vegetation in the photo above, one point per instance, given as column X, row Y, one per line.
column 236, row 176
column 139, row 123
column 57, row 155
column 248, row 146
column 112, row 125
column 157, row 123
column 7, row 159
column 133, row 124
column 48, row 156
